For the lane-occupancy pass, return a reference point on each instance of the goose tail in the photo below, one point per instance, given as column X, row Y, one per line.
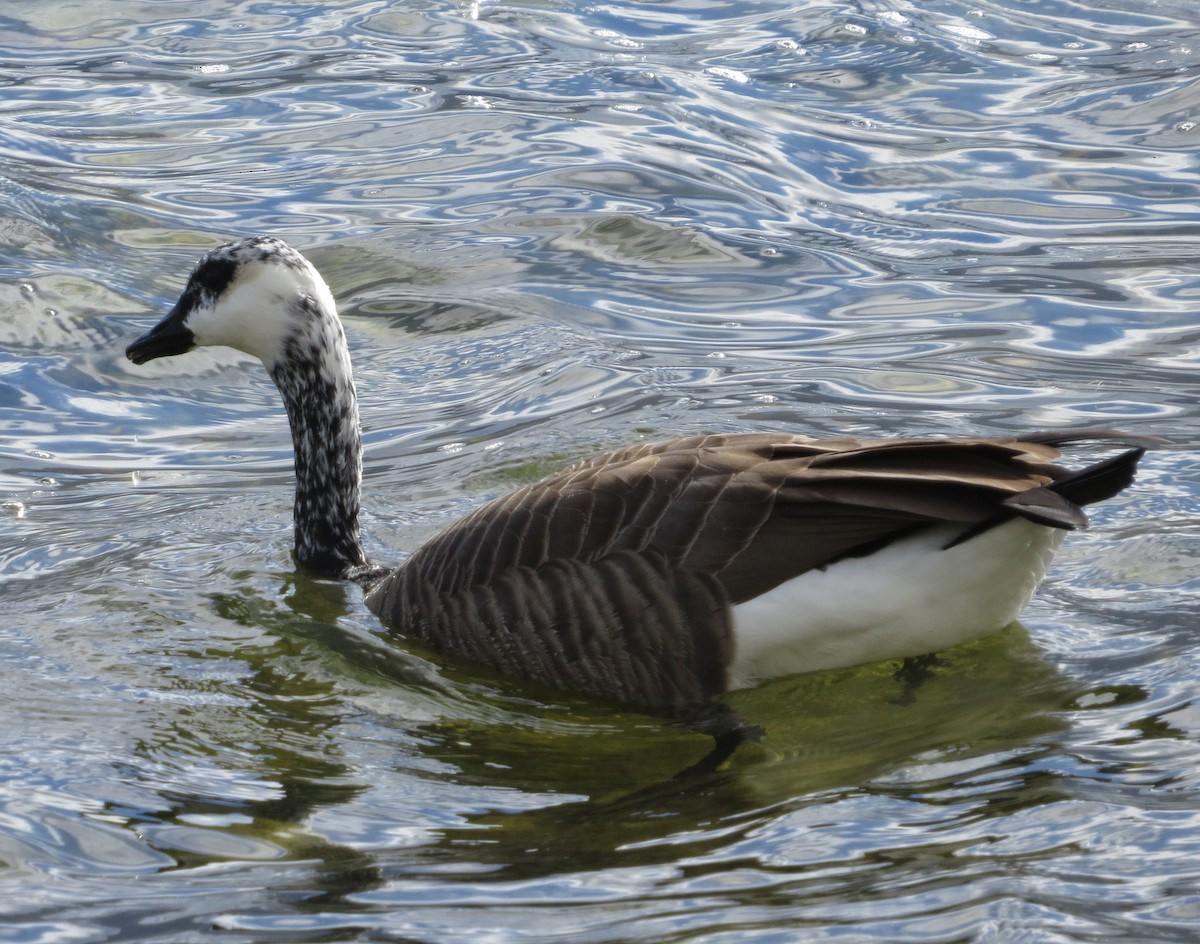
column 1060, row 503
column 1101, row 481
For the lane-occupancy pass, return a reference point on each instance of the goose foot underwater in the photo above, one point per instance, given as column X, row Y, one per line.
column 662, row 575
column 727, row 730
column 914, row 672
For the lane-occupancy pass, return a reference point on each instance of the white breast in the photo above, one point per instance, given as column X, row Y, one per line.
column 911, row 598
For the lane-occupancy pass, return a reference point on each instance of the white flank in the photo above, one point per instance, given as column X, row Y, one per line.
column 911, row 598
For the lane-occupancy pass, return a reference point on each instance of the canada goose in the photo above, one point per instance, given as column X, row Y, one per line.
column 663, row 574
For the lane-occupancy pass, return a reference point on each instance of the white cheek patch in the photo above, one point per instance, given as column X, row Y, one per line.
column 259, row 310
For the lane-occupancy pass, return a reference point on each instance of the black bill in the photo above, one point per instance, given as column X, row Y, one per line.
column 167, row 338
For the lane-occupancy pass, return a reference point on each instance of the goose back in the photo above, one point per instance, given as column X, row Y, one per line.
column 615, row 576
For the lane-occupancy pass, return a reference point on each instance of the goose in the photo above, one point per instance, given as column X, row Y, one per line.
column 664, row 574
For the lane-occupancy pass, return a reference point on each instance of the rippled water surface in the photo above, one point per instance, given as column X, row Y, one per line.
column 554, row 227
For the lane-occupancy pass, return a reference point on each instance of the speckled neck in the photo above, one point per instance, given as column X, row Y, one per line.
column 315, row 379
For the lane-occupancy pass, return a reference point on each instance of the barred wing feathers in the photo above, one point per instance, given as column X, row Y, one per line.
column 614, row 577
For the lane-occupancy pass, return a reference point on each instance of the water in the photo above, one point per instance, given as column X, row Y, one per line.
column 552, row 228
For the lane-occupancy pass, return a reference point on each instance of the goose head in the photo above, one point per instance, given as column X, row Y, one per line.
column 256, row 295
column 262, row 297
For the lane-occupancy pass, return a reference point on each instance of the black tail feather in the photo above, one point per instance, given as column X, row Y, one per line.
column 1059, row 504
column 1100, row 481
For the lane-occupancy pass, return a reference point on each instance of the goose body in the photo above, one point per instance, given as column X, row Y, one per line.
column 660, row 575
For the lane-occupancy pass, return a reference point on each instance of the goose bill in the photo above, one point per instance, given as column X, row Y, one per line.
column 166, row 339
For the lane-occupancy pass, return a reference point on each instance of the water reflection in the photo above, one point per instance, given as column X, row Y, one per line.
column 614, row 807
column 652, row 848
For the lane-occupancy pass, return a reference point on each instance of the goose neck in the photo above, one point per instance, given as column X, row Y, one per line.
column 314, row 377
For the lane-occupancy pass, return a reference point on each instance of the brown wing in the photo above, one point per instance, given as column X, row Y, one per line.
column 628, row 627
column 741, row 512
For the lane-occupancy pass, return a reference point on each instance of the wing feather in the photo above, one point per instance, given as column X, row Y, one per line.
column 601, row 577
column 628, row 627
